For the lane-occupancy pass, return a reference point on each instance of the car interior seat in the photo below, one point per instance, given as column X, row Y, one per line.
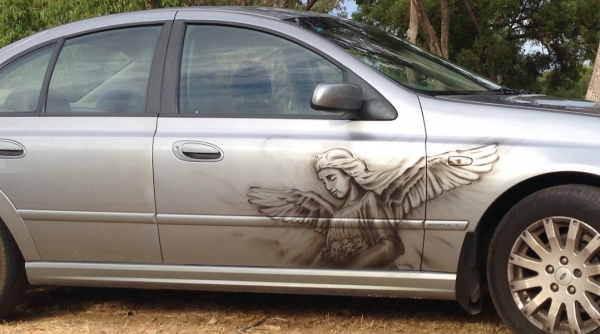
column 201, row 90
column 25, row 99
column 251, row 85
column 121, row 101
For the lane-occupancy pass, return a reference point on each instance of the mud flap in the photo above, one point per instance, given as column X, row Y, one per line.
column 468, row 276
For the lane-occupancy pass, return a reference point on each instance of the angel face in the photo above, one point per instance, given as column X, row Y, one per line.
column 336, row 181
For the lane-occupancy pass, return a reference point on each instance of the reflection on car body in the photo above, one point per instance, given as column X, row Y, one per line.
column 271, row 150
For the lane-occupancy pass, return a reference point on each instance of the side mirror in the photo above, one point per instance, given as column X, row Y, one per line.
column 337, row 97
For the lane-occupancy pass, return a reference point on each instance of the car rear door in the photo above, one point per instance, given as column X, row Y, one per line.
column 78, row 120
column 240, row 157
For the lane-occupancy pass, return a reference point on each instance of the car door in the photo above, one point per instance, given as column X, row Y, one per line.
column 248, row 174
column 76, row 157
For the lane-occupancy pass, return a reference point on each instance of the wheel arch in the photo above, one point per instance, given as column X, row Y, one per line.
column 16, row 226
column 471, row 281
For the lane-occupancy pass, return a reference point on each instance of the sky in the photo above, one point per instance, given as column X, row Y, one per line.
column 350, row 7
column 528, row 47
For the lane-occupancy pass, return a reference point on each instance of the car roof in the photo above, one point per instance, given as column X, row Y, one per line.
column 271, row 12
column 153, row 15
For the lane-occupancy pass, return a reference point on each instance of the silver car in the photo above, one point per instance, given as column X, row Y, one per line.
column 251, row 149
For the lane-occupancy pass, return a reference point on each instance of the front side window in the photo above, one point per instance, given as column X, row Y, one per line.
column 235, row 71
column 21, row 81
column 105, row 72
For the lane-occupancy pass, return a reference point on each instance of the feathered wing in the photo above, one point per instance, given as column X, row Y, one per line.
column 430, row 176
column 293, row 206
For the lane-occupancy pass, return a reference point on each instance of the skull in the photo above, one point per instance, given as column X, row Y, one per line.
column 348, row 247
column 360, row 244
column 335, row 250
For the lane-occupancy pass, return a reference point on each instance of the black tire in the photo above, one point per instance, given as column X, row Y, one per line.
column 12, row 273
column 558, row 278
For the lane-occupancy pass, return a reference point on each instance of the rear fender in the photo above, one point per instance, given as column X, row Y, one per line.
column 17, row 228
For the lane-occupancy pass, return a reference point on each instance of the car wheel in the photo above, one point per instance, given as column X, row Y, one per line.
column 12, row 272
column 544, row 262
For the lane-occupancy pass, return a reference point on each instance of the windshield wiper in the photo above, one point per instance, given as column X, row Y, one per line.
column 508, row 91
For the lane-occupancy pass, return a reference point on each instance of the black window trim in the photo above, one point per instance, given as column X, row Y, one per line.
column 153, row 93
column 41, row 107
column 154, row 79
column 170, row 93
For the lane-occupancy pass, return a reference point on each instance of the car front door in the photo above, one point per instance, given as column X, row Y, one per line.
column 248, row 174
column 80, row 171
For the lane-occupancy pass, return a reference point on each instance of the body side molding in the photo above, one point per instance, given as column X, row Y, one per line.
column 258, row 221
column 86, row 216
column 249, row 279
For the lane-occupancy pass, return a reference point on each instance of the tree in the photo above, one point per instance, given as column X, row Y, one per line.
column 488, row 36
column 593, row 92
column 418, row 16
column 434, row 44
column 413, row 25
column 445, row 28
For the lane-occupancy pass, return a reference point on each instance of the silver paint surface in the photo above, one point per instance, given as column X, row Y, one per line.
column 530, row 142
column 84, row 170
column 273, row 153
column 329, row 282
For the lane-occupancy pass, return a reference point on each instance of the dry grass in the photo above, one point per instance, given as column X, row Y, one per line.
column 87, row 310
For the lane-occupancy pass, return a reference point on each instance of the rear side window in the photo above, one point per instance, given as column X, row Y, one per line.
column 21, row 81
column 237, row 71
column 105, row 72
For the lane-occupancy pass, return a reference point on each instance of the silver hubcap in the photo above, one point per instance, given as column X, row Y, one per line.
column 554, row 275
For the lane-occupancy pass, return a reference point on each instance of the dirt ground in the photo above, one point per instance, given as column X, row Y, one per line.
column 91, row 310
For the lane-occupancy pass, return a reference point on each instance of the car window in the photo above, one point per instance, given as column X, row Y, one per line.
column 401, row 61
column 236, row 71
column 21, row 81
column 104, row 72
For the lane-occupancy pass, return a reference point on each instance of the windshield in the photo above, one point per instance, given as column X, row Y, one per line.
column 403, row 62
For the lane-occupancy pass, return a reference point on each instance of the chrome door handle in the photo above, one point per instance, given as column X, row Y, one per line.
column 11, row 149
column 197, row 151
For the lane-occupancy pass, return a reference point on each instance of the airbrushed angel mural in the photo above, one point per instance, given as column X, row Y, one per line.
column 362, row 230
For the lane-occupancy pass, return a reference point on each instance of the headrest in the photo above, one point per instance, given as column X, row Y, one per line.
column 121, row 101
column 251, row 81
column 23, row 99
column 26, row 99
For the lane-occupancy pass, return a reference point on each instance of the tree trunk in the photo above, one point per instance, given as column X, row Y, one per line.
column 413, row 31
column 434, row 44
column 473, row 16
column 445, row 33
column 310, row 4
column 593, row 92
column 413, row 26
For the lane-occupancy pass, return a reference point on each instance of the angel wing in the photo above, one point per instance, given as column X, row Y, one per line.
column 430, row 176
column 293, row 206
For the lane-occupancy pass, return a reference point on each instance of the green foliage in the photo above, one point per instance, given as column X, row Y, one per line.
column 573, row 89
column 21, row 18
column 566, row 30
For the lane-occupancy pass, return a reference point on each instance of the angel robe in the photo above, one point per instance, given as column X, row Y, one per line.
column 352, row 230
